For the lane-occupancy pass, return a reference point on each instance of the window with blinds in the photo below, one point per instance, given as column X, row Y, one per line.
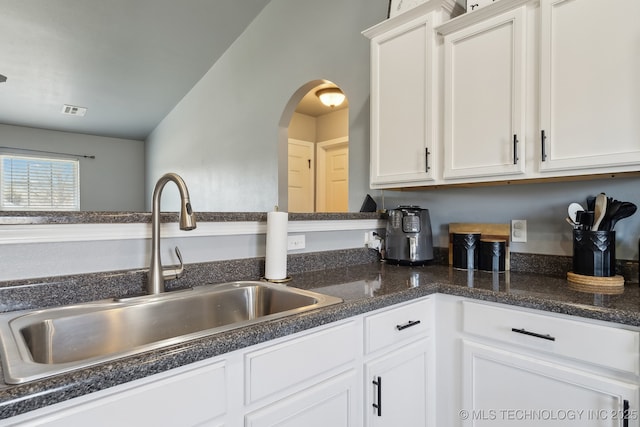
column 39, row 184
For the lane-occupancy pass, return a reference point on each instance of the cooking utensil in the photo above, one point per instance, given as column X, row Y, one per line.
column 612, row 209
column 625, row 210
column 579, row 218
column 573, row 208
column 599, row 210
column 586, row 220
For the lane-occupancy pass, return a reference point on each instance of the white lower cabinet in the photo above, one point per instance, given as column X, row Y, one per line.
column 399, row 366
column 397, row 393
column 529, row 368
column 504, row 388
column 308, row 381
column 437, row 361
column 291, row 366
column 191, row 396
column 332, row 403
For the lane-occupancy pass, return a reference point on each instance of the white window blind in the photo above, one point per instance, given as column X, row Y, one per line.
column 39, row 184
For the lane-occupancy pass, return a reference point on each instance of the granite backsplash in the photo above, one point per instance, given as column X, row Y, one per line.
column 61, row 290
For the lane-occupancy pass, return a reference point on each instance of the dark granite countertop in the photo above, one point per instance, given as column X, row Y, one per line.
column 363, row 288
column 35, row 217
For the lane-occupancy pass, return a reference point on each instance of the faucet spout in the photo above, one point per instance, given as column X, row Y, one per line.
column 157, row 275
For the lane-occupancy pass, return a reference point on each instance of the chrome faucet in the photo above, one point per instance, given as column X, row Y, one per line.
column 157, row 275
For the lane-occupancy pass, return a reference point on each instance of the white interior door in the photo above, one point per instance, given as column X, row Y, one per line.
column 301, row 176
column 333, row 176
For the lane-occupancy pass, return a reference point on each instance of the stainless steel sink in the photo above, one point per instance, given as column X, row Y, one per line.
column 39, row 343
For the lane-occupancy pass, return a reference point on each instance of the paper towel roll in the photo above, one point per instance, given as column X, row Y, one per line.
column 276, row 253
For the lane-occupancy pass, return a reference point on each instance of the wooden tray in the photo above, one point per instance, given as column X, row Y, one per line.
column 597, row 285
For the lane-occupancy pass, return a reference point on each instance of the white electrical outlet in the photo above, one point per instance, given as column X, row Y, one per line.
column 296, row 242
column 519, row 230
column 372, row 241
column 369, row 237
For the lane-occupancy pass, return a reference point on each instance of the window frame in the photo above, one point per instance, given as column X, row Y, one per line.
column 73, row 206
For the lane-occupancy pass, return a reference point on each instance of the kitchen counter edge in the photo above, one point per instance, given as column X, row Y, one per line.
column 19, row 399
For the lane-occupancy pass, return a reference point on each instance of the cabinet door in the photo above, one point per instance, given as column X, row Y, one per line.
column 331, row 403
column 397, row 389
column 484, row 79
column 503, row 388
column 590, row 103
column 182, row 397
column 402, row 128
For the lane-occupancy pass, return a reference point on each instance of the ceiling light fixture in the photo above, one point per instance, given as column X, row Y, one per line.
column 3, row 78
column 331, row 96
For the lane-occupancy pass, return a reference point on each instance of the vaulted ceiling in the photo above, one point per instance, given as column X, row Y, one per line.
column 128, row 62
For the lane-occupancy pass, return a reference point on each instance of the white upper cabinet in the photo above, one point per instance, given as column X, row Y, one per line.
column 401, row 75
column 590, row 85
column 484, row 94
column 404, row 97
column 516, row 90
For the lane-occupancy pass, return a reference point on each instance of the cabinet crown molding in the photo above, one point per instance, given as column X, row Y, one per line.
column 450, row 7
column 481, row 14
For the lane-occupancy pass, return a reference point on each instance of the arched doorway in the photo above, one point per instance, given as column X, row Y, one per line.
column 318, row 154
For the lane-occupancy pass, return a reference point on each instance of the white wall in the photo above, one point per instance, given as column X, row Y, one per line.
column 229, row 123
column 543, row 205
column 302, row 127
column 223, row 136
column 322, row 128
column 333, row 125
column 33, row 251
column 113, row 181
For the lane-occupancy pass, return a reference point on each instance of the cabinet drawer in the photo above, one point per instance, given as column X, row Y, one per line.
column 300, row 362
column 598, row 344
column 331, row 403
column 397, row 324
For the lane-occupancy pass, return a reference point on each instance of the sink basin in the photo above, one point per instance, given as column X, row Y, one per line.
column 39, row 343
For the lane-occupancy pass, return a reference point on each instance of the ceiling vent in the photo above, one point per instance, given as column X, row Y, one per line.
column 72, row 110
